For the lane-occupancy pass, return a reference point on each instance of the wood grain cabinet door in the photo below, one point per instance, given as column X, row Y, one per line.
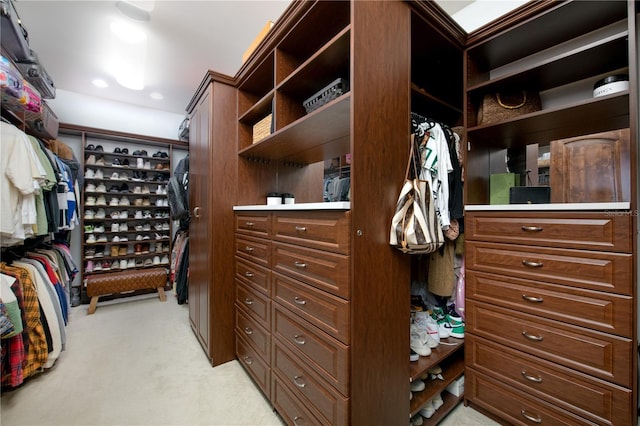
column 591, row 168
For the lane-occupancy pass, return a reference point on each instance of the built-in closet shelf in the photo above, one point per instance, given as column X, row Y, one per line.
column 590, row 116
column 338, row 205
column 259, row 110
column 616, row 206
column 321, row 134
column 421, row 101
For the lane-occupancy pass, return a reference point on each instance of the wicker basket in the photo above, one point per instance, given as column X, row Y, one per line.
column 262, row 128
column 332, row 91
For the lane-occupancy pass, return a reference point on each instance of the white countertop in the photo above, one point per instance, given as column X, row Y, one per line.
column 550, row 206
column 338, row 205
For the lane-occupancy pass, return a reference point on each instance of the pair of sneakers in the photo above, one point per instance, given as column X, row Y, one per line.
column 449, row 323
column 421, row 341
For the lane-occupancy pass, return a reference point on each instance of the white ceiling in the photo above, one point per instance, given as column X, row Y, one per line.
column 185, row 39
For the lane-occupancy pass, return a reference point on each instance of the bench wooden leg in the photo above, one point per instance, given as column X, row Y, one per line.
column 163, row 297
column 92, row 305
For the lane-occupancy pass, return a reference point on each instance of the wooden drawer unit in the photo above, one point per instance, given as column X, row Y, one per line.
column 323, row 270
column 254, row 249
column 323, row 230
column 254, row 333
column 320, row 352
column 254, row 303
column 514, row 406
column 257, row 367
column 606, row 312
column 325, row 311
column 589, row 231
column 586, row 396
column 291, row 409
column 602, row 271
column 256, row 276
column 308, row 386
column 255, row 224
column 598, row 354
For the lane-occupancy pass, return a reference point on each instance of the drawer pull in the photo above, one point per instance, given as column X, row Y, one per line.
column 532, row 299
column 531, row 377
column 299, row 339
column 531, row 228
column 249, row 224
column 299, row 382
column 299, row 264
column 298, row 421
column 248, row 360
column 532, row 264
column 248, row 330
column 532, row 336
column 248, row 274
column 248, row 301
column 529, row 417
column 248, row 248
column 301, row 228
column 299, row 301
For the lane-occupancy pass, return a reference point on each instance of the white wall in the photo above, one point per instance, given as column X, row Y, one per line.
column 481, row 12
column 83, row 110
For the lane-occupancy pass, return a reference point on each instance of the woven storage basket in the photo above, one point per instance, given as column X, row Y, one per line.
column 262, row 128
column 502, row 106
column 333, row 90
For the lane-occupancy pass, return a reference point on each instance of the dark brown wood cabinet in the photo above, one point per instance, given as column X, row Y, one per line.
column 212, row 190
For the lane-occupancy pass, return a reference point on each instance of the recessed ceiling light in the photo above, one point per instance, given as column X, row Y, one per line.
column 134, row 11
column 98, row 82
column 156, row 95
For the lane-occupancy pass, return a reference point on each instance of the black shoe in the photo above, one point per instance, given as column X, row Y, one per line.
column 99, row 148
column 137, row 153
column 114, row 188
column 117, row 151
column 144, row 153
column 90, row 147
column 125, row 151
column 125, row 162
column 164, row 155
column 124, row 188
column 116, row 162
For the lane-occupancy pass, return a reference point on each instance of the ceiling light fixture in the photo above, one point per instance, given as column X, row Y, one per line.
column 100, row 83
column 134, row 10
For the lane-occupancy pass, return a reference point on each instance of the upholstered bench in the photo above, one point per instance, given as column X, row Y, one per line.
column 125, row 281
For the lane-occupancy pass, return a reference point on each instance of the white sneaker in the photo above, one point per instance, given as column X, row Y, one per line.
column 419, row 341
column 425, row 322
column 427, row 409
column 115, row 227
column 101, row 214
column 99, row 174
column 90, row 174
column 437, row 401
column 131, row 263
column 90, row 201
column 91, row 239
column 89, row 214
column 90, row 188
column 114, row 202
column 417, row 385
column 101, row 201
column 164, row 260
column 91, row 160
column 101, row 188
column 156, row 261
column 123, row 264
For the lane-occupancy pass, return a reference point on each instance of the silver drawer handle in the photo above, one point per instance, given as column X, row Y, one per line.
column 248, row 360
column 298, row 381
column 249, row 224
column 532, row 228
column 532, row 264
column 248, row 248
column 248, row 274
column 299, row 264
column 248, row 301
column 298, row 421
column 301, row 228
column 531, row 377
column 248, row 330
column 532, row 336
column 299, row 301
column 532, row 299
column 536, row 419
column 299, row 339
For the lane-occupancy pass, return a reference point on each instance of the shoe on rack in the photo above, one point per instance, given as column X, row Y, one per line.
column 139, row 263
column 100, row 161
column 164, row 260
column 423, row 320
column 89, row 214
column 457, row 327
column 91, row 160
column 156, row 260
column 97, row 267
column 427, row 409
column 419, row 341
column 131, row 263
column 89, row 253
column 88, row 229
column 417, row 304
column 99, row 148
column 115, row 227
column 101, row 214
column 123, row 264
column 416, row 385
column 101, row 188
column 116, row 162
column 437, row 401
column 101, row 201
column 91, row 239
column 90, row 201
column 99, row 228
column 148, row 262
column 417, row 420
column 102, row 239
column 89, row 267
column 122, row 250
column 114, row 251
column 90, row 188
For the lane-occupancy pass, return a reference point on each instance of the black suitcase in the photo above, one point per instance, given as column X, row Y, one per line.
column 33, row 71
column 15, row 38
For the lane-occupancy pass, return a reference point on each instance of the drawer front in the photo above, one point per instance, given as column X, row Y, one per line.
column 594, row 399
column 583, row 230
column 308, row 386
column 592, row 352
column 606, row 312
column 322, row 353
column 257, row 276
column 255, row 366
column 254, row 250
column 513, row 406
column 254, row 303
column 323, row 270
column 602, row 271
column 290, row 408
column 256, row 224
column 325, row 311
column 324, row 230
column 254, row 333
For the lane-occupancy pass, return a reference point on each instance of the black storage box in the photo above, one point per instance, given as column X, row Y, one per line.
column 529, row 195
